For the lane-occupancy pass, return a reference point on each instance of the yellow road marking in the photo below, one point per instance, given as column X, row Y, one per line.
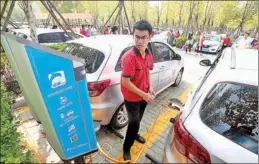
column 23, row 109
column 160, row 126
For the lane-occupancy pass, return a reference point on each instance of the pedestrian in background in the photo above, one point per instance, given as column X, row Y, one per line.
column 189, row 42
column 254, row 44
column 177, row 35
column 171, row 38
column 83, row 31
column 244, row 42
column 226, row 42
column 89, row 31
column 107, row 30
column 200, row 40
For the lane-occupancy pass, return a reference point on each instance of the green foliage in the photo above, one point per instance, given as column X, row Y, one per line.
column 11, row 149
column 58, row 47
column 206, row 14
column 179, row 42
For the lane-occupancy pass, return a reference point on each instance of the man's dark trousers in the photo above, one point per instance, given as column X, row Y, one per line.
column 135, row 112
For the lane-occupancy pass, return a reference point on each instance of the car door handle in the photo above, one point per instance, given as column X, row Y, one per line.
column 162, row 67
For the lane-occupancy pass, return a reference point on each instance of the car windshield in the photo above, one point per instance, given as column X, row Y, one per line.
column 213, row 38
column 231, row 109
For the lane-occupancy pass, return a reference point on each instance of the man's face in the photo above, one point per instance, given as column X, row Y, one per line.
column 141, row 39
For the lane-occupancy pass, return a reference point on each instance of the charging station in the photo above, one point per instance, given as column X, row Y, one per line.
column 55, row 87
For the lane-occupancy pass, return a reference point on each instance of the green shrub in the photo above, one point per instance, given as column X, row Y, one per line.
column 58, row 47
column 179, row 42
column 12, row 151
column 7, row 76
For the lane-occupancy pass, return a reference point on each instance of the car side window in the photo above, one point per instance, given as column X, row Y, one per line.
column 118, row 65
column 54, row 37
column 162, row 52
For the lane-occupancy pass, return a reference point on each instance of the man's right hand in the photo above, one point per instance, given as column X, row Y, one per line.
column 148, row 98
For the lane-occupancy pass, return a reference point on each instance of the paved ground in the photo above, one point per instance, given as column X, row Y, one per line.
column 112, row 144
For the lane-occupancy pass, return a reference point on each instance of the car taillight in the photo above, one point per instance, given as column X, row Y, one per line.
column 187, row 145
column 96, row 88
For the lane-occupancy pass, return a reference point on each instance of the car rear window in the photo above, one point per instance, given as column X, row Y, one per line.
column 54, row 37
column 231, row 109
column 93, row 58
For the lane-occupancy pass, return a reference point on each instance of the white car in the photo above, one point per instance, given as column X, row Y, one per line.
column 212, row 44
column 102, row 55
column 46, row 36
column 161, row 36
column 219, row 122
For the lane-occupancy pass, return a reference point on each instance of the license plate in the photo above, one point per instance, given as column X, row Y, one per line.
column 205, row 49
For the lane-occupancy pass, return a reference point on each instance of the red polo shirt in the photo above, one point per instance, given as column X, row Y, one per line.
column 137, row 69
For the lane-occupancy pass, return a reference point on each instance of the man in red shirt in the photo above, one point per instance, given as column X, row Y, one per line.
column 226, row 42
column 135, row 82
column 83, row 31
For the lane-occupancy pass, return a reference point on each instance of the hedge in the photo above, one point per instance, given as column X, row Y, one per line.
column 179, row 42
column 12, row 150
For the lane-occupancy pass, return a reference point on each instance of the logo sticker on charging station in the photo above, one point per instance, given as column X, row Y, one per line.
column 57, row 79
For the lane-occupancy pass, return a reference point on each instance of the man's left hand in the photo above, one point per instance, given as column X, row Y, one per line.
column 152, row 92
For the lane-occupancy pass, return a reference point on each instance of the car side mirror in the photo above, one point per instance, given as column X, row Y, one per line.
column 205, row 62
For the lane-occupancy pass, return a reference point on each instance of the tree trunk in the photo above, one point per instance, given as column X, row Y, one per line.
column 192, row 6
column 159, row 13
column 3, row 9
column 240, row 27
column 197, row 16
column 133, row 11
column 180, row 14
column 167, row 14
column 27, row 8
column 205, row 16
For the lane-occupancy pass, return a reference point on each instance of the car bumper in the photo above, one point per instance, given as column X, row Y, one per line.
column 210, row 49
column 103, row 113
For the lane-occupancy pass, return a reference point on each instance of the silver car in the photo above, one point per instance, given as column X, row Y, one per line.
column 102, row 55
column 219, row 122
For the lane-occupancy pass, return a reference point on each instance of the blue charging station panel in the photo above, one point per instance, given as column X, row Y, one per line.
column 63, row 87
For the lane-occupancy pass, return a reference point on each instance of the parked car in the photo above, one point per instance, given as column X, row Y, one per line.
column 102, row 55
column 212, row 44
column 163, row 36
column 46, row 36
column 235, row 44
column 219, row 122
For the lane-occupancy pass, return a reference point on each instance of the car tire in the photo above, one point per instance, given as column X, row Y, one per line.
column 120, row 118
column 178, row 78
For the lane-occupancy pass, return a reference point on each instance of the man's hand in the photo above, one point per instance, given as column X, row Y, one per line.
column 152, row 92
column 148, row 98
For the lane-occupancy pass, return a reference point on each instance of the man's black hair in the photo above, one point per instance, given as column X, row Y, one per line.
column 143, row 25
column 83, row 26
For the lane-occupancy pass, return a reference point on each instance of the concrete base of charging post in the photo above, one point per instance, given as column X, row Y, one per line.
column 80, row 159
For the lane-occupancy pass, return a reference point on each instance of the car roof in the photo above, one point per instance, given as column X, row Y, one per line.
column 104, row 42
column 38, row 30
column 243, row 68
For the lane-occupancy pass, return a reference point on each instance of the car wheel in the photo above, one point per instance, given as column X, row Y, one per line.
column 120, row 118
column 178, row 78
